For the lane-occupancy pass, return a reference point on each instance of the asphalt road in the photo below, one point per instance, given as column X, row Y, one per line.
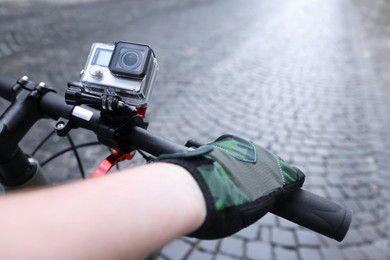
column 306, row 79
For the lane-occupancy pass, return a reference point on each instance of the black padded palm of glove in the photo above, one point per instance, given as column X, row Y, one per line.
column 240, row 182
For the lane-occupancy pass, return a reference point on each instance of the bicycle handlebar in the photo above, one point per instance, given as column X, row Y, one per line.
column 6, row 84
column 304, row 208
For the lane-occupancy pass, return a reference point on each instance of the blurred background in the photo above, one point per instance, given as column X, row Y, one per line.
column 307, row 79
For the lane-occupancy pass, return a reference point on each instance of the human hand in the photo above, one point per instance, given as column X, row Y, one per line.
column 240, row 182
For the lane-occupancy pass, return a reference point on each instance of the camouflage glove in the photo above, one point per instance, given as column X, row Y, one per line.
column 239, row 180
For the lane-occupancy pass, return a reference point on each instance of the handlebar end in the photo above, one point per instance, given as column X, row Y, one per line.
column 316, row 213
column 345, row 223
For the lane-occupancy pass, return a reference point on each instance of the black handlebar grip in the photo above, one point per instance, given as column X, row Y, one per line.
column 316, row 213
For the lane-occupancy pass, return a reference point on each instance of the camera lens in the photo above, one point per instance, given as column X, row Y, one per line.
column 130, row 60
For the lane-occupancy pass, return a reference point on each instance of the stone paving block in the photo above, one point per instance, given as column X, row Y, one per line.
column 314, row 160
column 354, row 181
column 257, row 250
column 334, row 179
column 298, row 159
column 386, row 193
column 331, row 253
column 232, row 246
column 314, row 180
column 368, row 233
column 322, row 152
column 334, row 193
column 283, row 237
column 313, row 169
column 176, row 249
column 367, row 191
column 249, row 233
column 310, row 142
column 199, row 255
column 353, row 237
column 284, row 253
column 366, row 217
column 307, row 238
column 364, row 204
column 381, row 228
column 377, row 250
column 225, row 257
column 354, row 253
column 265, row 234
column 309, row 254
column 209, row 245
column 288, row 150
column 350, row 192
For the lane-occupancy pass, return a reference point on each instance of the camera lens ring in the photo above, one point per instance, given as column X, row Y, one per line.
column 130, row 60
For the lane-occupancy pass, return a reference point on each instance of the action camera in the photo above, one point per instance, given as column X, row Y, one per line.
column 125, row 69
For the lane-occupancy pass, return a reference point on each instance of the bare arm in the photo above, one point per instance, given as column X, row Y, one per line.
column 120, row 216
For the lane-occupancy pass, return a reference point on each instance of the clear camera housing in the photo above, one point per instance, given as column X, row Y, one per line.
column 125, row 69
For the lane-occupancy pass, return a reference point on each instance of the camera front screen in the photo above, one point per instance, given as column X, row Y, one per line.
column 130, row 60
column 102, row 57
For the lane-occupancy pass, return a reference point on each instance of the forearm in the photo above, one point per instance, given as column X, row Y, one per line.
column 118, row 216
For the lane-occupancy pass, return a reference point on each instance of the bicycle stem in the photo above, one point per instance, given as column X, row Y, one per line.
column 16, row 168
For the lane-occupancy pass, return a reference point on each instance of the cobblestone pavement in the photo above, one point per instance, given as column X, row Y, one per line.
column 307, row 79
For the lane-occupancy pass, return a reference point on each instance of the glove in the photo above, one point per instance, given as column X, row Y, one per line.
column 240, row 182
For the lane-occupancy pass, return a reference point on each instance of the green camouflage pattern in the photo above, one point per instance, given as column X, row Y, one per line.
column 239, row 171
column 225, row 192
column 238, row 148
column 223, row 183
